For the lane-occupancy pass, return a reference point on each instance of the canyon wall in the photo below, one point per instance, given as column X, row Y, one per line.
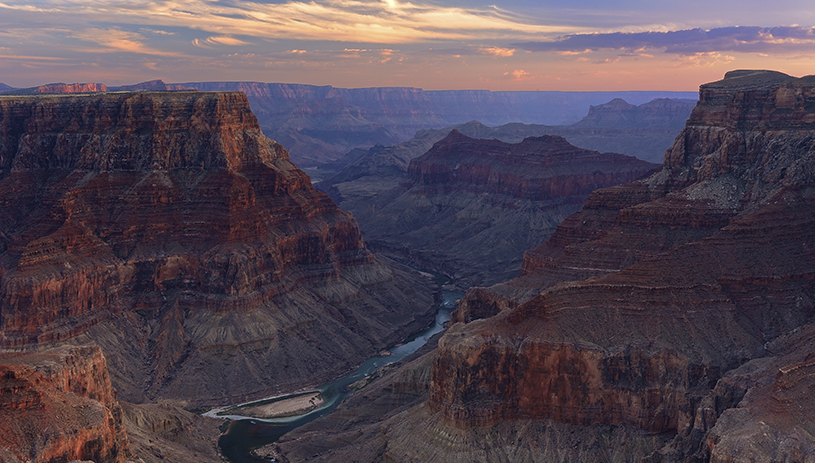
column 678, row 307
column 59, row 405
column 690, row 272
column 469, row 207
column 167, row 229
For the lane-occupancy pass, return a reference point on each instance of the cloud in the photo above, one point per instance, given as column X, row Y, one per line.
column 497, row 51
column 518, row 74
column 355, row 21
column 223, row 40
column 115, row 40
column 737, row 39
column 706, row 59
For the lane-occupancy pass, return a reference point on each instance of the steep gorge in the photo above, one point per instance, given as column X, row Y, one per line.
column 167, row 229
column 469, row 207
column 669, row 320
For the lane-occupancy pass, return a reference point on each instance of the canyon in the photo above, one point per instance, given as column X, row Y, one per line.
column 166, row 229
column 667, row 320
column 670, row 320
column 469, row 208
column 321, row 124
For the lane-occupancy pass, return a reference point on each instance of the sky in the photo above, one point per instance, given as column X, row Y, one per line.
column 562, row 45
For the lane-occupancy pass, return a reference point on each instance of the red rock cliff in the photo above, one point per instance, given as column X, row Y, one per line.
column 539, row 168
column 59, row 405
column 637, row 305
column 167, row 228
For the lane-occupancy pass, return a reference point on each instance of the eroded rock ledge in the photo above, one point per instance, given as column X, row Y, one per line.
column 59, row 405
column 638, row 305
column 166, row 228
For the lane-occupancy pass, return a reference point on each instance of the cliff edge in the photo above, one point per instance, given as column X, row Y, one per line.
column 167, row 229
column 59, row 405
column 668, row 321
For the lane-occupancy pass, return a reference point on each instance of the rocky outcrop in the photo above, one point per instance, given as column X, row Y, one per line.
column 167, row 229
column 640, row 303
column 537, row 169
column 167, row 432
column 58, row 88
column 157, row 85
column 469, row 207
column 59, row 405
column 659, row 113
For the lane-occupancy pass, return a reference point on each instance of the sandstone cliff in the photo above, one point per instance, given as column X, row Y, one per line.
column 692, row 271
column 469, row 207
column 167, row 229
column 678, row 306
column 59, row 405
column 57, row 88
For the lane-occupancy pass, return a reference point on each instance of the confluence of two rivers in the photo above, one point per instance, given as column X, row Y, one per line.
column 247, row 433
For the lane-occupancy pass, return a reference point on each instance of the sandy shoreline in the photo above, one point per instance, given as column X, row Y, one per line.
column 292, row 406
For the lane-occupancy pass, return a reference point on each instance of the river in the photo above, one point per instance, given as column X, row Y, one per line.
column 246, row 433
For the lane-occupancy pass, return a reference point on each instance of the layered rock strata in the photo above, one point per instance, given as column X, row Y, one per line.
column 640, row 303
column 470, row 207
column 166, row 228
column 677, row 307
column 59, row 405
column 56, row 88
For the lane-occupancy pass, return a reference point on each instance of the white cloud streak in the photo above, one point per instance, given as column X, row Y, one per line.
column 365, row 21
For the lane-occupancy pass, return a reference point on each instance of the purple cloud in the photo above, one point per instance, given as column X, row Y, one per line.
column 745, row 39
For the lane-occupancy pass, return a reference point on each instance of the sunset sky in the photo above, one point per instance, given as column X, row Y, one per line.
column 567, row 45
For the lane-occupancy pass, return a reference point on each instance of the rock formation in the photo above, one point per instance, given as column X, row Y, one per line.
column 320, row 124
column 677, row 306
column 643, row 131
column 167, row 229
column 58, row 88
column 167, row 433
column 157, row 85
column 59, row 405
column 659, row 113
column 470, row 207
column 691, row 272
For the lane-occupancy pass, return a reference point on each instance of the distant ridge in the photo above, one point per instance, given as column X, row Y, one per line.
column 151, row 85
column 4, row 87
column 58, row 88
column 320, row 124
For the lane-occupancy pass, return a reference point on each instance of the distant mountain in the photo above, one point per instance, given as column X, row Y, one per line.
column 57, row 88
column 151, row 85
column 5, row 87
column 470, row 207
column 319, row 124
column 643, row 131
column 661, row 113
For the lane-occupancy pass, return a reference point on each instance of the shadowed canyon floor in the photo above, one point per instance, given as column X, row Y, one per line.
column 669, row 320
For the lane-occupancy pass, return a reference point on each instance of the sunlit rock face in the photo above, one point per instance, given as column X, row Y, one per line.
column 59, row 405
column 167, row 229
column 638, row 305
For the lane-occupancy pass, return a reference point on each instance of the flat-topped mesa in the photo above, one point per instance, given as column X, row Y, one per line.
column 129, row 209
column 132, row 132
column 538, row 168
column 641, row 301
